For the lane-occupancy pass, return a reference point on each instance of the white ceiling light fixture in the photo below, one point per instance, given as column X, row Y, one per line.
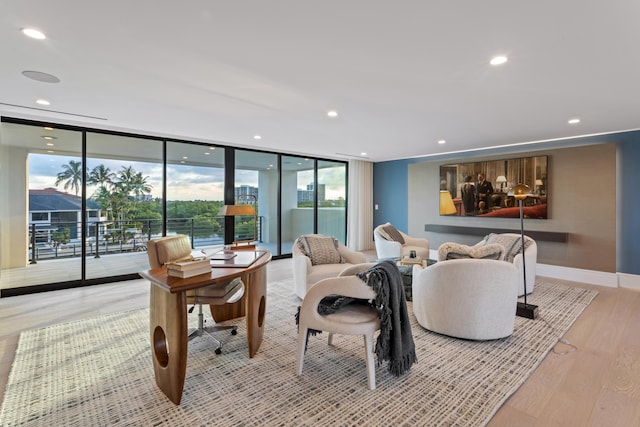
column 363, row 154
column 33, row 33
column 442, row 141
column 574, row 121
column 498, row 60
column 257, row 137
column 332, row 113
column 42, row 102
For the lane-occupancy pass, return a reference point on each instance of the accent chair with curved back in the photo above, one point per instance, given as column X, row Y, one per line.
column 353, row 319
column 316, row 257
column 172, row 248
column 466, row 298
column 393, row 243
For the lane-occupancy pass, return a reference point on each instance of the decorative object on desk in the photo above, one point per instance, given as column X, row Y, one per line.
column 446, row 204
column 501, row 180
column 236, row 258
column 105, row 361
column 539, row 184
column 242, row 210
column 520, row 192
column 189, row 267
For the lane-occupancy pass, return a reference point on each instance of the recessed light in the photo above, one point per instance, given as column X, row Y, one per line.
column 363, row 154
column 574, row 121
column 49, row 144
column 212, row 148
column 442, row 141
column 50, row 151
column 43, row 102
column 257, row 137
column 49, row 128
column 48, row 137
column 33, row 33
column 332, row 113
column 185, row 157
column 206, row 153
column 498, row 60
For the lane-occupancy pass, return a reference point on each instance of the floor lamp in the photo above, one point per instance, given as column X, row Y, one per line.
column 530, row 311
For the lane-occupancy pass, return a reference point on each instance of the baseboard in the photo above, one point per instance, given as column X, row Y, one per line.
column 592, row 277
column 629, row 281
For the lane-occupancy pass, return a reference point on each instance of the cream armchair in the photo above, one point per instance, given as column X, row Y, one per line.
column 326, row 260
column 511, row 242
column 466, row 298
column 393, row 243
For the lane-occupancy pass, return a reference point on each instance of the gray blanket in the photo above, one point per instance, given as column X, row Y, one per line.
column 395, row 342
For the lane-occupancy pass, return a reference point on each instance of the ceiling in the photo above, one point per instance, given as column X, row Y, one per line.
column 401, row 75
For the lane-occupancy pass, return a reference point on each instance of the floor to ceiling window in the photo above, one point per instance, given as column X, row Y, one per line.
column 256, row 182
column 78, row 205
column 195, row 193
column 124, row 202
column 332, row 199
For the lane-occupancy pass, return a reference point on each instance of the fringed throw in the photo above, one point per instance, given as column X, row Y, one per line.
column 395, row 341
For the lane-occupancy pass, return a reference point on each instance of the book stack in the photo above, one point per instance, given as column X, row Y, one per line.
column 188, row 268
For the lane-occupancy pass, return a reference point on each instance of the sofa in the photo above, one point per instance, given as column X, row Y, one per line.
column 316, row 257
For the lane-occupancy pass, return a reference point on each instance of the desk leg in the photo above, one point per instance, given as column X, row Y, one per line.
column 169, row 335
column 256, row 301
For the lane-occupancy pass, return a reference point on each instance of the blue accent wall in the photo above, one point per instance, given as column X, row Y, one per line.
column 390, row 193
column 628, row 205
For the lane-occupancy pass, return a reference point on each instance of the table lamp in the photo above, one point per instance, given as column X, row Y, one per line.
column 501, row 179
column 520, row 192
column 242, row 210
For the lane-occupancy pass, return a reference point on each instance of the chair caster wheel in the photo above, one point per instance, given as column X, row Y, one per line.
column 218, row 351
column 234, row 332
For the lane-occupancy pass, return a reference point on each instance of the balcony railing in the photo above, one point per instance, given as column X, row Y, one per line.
column 64, row 239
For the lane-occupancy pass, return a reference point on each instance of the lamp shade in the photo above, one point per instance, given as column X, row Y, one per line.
column 233, row 210
column 501, row 178
column 446, row 204
column 538, row 182
column 521, row 191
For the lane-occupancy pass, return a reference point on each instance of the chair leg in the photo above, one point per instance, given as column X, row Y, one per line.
column 302, row 346
column 201, row 329
column 371, row 367
column 330, row 340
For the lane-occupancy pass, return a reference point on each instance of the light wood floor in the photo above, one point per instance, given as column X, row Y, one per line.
column 597, row 385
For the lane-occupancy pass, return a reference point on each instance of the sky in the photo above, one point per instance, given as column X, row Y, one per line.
column 185, row 182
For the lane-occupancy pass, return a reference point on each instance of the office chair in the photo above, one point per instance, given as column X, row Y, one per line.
column 171, row 248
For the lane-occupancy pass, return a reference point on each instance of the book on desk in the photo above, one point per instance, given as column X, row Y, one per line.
column 189, row 267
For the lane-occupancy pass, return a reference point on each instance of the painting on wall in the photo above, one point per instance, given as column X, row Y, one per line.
column 485, row 189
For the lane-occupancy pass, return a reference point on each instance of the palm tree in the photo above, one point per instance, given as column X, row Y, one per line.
column 71, row 175
column 102, row 176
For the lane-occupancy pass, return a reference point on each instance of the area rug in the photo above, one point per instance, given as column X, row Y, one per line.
column 98, row 372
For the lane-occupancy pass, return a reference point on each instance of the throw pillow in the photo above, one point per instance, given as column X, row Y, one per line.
column 320, row 249
column 452, row 250
column 512, row 244
column 392, row 233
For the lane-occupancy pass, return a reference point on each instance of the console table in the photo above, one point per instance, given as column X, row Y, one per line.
column 168, row 316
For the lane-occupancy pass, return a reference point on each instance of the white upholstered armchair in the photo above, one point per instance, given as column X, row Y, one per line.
column 513, row 252
column 466, row 298
column 393, row 243
column 318, row 258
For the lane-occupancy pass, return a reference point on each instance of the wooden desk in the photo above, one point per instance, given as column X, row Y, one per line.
column 168, row 317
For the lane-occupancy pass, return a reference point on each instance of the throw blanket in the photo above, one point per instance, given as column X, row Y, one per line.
column 395, row 342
